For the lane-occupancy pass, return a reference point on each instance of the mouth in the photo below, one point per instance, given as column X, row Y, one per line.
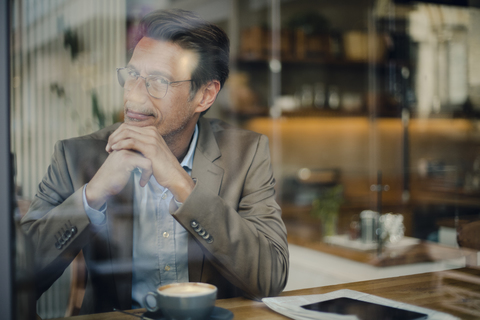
column 139, row 116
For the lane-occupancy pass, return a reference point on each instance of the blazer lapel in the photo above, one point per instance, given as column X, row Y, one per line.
column 206, row 153
column 204, row 169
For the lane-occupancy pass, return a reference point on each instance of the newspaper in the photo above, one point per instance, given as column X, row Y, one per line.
column 290, row 306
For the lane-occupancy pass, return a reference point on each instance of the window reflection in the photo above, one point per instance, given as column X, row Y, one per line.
column 367, row 108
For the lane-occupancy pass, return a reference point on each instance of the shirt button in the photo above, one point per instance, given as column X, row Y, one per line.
column 165, row 234
column 164, row 196
column 167, row 268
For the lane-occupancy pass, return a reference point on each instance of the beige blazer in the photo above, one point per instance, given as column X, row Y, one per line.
column 237, row 240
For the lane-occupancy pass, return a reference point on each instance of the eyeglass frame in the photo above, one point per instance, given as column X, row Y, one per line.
column 145, row 78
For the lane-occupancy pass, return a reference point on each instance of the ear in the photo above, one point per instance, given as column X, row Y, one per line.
column 208, row 94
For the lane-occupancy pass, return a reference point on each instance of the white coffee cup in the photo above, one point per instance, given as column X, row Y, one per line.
column 179, row 301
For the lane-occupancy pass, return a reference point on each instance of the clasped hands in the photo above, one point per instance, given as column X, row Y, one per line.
column 132, row 147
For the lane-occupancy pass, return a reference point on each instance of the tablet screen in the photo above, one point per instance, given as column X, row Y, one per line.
column 364, row 310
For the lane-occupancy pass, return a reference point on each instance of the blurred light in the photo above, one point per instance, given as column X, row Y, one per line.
column 304, row 174
column 275, row 66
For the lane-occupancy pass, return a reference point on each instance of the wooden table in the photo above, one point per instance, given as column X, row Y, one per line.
column 456, row 292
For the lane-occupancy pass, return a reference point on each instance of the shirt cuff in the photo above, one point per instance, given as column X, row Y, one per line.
column 179, row 204
column 96, row 216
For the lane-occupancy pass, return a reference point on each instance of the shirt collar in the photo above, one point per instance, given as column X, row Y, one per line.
column 188, row 159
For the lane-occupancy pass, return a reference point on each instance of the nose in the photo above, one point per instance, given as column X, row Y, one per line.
column 138, row 93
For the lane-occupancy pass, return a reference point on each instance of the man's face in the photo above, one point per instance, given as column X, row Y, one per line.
column 172, row 113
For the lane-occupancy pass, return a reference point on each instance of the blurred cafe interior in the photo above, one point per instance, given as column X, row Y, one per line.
column 371, row 107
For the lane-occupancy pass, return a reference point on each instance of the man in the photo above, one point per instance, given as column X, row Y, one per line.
column 167, row 196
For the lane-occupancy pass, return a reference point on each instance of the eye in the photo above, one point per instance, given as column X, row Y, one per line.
column 132, row 73
column 158, row 80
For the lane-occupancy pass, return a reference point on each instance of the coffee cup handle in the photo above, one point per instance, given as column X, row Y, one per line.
column 157, row 303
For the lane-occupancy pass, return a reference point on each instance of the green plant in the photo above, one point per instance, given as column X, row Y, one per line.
column 326, row 208
column 97, row 111
column 100, row 116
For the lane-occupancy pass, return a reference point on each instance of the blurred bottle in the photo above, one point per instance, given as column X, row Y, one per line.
column 307, row 96
column 369, row 225
column 354, row 228
column 333, row 97
column 319, row 95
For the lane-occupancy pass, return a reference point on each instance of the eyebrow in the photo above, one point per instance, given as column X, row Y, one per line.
column 152, row 73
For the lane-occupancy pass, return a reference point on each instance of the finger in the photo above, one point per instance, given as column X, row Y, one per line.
column 146, row 167
column 146, row 174
column 116, row 135
column 130, row 132
column 130, row 128
column 136, row 160
column 129, row 144
column 120, row 136
column 146, row 144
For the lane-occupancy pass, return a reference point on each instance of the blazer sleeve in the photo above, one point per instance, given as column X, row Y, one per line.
column 56, row 221
column 246, row 244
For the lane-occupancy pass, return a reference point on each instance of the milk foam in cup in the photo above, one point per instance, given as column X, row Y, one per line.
column 182, row 301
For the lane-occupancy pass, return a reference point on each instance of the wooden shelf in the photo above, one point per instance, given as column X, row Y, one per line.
column 312, row 112
column 323, row 62
column 417, row 253
column 447, row 198
column 439, row 192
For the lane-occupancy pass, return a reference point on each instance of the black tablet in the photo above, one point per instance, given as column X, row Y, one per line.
column 364, row 310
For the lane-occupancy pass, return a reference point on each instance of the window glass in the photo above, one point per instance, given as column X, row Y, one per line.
column 371, row 110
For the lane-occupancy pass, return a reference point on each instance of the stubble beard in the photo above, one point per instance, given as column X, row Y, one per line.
column 173, row 135
column 172, row 131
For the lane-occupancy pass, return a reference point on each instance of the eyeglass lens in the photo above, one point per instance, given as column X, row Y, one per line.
column 156, row 86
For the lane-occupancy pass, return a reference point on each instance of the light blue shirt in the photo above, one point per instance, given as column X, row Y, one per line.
column 160, row 243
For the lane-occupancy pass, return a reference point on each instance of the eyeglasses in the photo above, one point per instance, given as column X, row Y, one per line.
column 157, row 86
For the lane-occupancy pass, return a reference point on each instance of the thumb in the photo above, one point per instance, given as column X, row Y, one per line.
column 146, row 174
